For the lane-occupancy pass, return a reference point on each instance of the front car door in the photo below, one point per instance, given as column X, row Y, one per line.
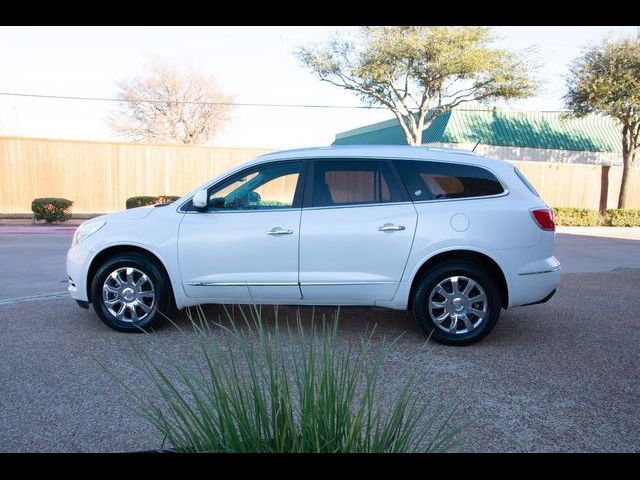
column 356, row 230
column 244, row 247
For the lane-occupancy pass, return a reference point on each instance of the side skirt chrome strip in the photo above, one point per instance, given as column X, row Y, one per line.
column 283, row 284
column 554, row 269
column 242, row 284
column 330, row 284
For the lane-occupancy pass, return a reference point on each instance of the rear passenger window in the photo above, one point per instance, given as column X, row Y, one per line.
column 349, row 182
column 436, row 180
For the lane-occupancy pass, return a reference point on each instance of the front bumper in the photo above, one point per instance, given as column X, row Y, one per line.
column 77, row 259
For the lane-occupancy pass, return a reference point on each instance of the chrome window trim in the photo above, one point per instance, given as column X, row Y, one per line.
column 498, row 195
column 227, row 212
column 358, row 205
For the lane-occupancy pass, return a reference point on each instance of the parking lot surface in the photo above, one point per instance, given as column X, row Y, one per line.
column 561, row 376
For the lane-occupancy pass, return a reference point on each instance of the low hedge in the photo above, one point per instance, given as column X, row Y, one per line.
column 143, row 201
column 51, row 209
column 585, row 217
column 577, row 217
column 622, row 217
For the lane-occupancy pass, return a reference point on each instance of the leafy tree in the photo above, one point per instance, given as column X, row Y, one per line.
column 605, row 79
column 421, row 72
column 186, row 106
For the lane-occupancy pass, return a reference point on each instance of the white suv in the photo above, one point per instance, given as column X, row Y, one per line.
column 451, row 235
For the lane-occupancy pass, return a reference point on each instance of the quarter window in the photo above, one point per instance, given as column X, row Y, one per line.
column 266, row 187
column 439, row 180
column 349, row 182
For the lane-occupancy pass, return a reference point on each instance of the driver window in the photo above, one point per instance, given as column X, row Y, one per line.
column 267, row 187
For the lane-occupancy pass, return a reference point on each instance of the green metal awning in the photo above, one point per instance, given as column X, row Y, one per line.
column 509, row 128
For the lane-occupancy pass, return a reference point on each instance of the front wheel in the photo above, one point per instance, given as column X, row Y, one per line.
column 457, row 303
column 130, row 293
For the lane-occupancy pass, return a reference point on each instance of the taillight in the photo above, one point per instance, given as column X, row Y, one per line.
column 544, row 218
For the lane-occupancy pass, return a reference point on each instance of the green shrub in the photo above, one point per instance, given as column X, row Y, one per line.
column 263, row 390
column 51, row 209
column 143, row 201
column 577, row 217
column 622, row 217
column 167, row 198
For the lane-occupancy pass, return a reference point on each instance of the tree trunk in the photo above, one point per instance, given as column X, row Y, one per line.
column 413, row 136
column 416, row 141
column 623, row 199
column 629, row 149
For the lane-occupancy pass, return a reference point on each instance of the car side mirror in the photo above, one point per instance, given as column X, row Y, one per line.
column 200, row 199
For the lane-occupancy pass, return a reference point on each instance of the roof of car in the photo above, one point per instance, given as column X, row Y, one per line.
column 401, row 152
column 346, row 152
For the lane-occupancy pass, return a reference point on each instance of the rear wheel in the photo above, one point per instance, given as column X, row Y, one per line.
column 130, row 293
column 457, row 303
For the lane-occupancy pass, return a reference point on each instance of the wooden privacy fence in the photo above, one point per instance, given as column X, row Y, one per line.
column 100, row 176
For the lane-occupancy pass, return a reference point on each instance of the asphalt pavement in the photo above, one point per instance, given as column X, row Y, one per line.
column 557, row 377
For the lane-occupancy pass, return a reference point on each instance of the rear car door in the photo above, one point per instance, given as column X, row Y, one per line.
column 356, row 231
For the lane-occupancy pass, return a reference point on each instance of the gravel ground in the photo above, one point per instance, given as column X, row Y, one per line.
column 558, row 377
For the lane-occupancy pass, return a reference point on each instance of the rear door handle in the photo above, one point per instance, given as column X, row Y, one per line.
column 279, row 231
column 390, row 227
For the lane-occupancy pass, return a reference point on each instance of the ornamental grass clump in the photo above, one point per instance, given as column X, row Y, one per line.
column 250, row 388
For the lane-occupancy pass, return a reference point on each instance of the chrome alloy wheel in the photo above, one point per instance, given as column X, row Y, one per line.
column 128, row 294
column 458, row 305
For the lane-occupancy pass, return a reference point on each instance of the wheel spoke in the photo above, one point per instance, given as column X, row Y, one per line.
column 440, row 290
column 120, row 312
column 467, row 323
column 111, row 303
column 441, row 318
column 478, row 298
column 110, row 289
column 134, row 313
column 129, row 275
column 468, row 288
column 116, row 278
column 477, row 313
column 144, row 307
column 454, row 324
column 455, row 289
column 141, row 281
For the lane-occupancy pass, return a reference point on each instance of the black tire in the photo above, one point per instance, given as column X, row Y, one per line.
column 161, row 304
column 440, row 273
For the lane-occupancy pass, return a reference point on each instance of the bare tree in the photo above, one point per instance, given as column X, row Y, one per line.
column 168, row 104
column 422, row 72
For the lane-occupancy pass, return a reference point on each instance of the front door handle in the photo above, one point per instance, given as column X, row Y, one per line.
column 390, row 227
column 279, row 231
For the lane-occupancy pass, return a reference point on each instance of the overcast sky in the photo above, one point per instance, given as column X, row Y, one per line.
column 255, row 64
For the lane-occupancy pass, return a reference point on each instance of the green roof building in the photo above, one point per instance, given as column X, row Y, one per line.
column 508, row 134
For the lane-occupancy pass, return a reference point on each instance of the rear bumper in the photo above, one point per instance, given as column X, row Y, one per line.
column 535, row 284
column 544, row 300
